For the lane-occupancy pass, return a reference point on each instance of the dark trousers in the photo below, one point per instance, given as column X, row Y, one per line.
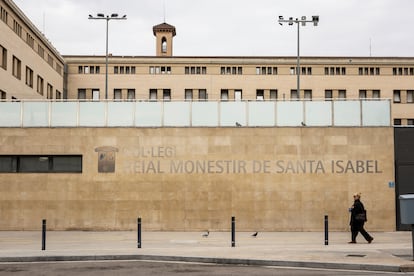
column 359, row 227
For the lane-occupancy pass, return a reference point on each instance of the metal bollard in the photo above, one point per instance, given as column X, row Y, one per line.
column 44, row 234
column 139, row 232
column 233, row 232
column 326, row 230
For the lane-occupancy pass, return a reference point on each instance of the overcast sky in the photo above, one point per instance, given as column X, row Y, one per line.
column 228, row 27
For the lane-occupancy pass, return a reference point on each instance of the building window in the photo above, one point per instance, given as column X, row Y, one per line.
column 410, row 122
column 294, row 95
column 166, row 94
column 40, row 85
column 41, row 51
column 58, row 94
column 328, row 95
column 30, row 40
column 131, row 94
column 81, row 94
column 96, row 95
column 41, row 164
column 202, row 95
column 259, row 95
column 188, row 94
column 224, row 94
column 308, row 95
column 397, row 96
column 238, row 95
column 153, row 94
column 3, row 57
column 273, row 94
column 376, row 94
column 116, row 69
column 397, row 122
column 17, row 68
column 4, row 15
column 117, row 94
column 49, row 91
column 17, row 28
column 2, row 95
column 292, row 70
column 362, row 94
column 342, row 94
column 163, row 45
column 29, row 77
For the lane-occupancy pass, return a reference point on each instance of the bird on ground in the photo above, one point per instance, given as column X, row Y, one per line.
column 205, row 235
column 255, row 234
column 238, row 124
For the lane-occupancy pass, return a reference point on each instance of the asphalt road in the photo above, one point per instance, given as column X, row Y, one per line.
column 163, row 268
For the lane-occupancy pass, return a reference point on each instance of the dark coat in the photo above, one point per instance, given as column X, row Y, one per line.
column 357, row 208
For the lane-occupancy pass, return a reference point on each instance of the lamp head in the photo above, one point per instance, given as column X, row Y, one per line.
column 100, row 15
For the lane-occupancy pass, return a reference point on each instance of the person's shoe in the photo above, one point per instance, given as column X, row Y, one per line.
column 352, row 242
column 370, row 240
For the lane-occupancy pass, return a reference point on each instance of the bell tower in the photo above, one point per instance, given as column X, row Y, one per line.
column 164, row 34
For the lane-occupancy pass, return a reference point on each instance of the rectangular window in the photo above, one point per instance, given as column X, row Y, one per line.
column 222, row 70
column 116, row 69
column 153, row 94
column 4, row 15
column 240, row 70
column 121, row 70
column 292, row 70
column 58, row 94
column 294, row 95
column 188, row 94
column 41, row 164
column 17, row 68
column 238, row 95
column 360, row 71
column 127, row 70
column 81, row 94
column 29, row 77
column 259, row 95
column 50, row 60
column 2, row 95
column 362, row 94
column 326, row 71
column 92, row 69
column 202, row 95
column 131, row 94
column 377, row 71
column 397, row 96
column 343, row 71
column 49, row 91
column 410, row 122
column 342, row 94
column 273, row 94
column 328, row 95
column 3, row 57
column 376, row 94
column 397, row 122
column 80, row 69
column 257, row 70
column 224, row 94
column 95, row 95
column 117, row 94
column 29, row 40
column 17, row 28
column 41, row 51
column 308, row 95
column 166, row 94
column 410, row 96
column 187, row 70
column 133, row 70
column 40, row 85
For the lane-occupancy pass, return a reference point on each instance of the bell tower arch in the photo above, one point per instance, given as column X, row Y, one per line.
column 164, row 34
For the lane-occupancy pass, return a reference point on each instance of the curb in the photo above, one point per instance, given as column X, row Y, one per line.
column 302, row 264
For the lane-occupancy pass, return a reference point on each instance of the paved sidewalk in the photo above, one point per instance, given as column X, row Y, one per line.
column 390, row 251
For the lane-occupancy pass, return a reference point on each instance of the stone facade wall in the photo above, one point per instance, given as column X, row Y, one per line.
column 193, row 179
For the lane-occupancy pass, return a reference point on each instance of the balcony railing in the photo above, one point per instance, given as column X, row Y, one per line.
column 195, row 114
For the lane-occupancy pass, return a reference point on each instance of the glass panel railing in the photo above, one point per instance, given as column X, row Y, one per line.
column 121, row 114
column 35, row 114
column 204, row 114
column 233, row 114
column 177, row 114
column 289, row 113
column 376, row 113
column 148, row 114
column 261, row 114
column 64, row 114
column 347, row 113
column 92, row 114
column 318, row 113
column 10, row 114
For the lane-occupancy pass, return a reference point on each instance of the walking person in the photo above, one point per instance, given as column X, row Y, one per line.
column 358, row 219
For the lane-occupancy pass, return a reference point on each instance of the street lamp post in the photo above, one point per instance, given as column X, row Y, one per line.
column 113, row 16
column 302, row 21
